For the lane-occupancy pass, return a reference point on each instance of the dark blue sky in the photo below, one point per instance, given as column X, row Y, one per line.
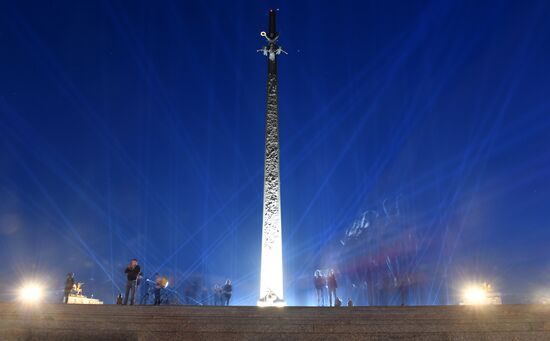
column 135, row 129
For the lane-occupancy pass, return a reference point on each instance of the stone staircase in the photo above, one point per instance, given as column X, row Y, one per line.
column 111, row 322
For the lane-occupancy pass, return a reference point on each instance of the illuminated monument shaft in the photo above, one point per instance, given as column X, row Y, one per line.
column 271, row 282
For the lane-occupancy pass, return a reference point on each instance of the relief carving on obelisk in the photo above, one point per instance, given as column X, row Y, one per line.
column 272, row 210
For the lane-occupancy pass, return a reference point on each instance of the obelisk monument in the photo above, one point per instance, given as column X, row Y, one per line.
column 271, row 281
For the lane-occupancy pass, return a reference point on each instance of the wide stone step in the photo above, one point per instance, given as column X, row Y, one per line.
column 89, row 322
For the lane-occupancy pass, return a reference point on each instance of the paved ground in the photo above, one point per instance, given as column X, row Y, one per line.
column 110, row 322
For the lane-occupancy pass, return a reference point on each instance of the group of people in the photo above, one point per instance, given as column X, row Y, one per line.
column 326, row 284
column 133, row 277
column 222, row 294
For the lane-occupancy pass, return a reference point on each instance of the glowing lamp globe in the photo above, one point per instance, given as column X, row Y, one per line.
column 31, row 294
column 475, row 296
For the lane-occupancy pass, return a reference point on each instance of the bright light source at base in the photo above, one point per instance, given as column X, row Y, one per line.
column 480, row 294
column 31, row 293
column 475, row 296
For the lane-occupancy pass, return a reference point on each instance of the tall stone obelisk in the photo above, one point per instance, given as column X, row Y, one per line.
column 271, row 282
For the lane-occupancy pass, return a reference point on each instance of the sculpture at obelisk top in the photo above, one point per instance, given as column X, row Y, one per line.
column 271, row 280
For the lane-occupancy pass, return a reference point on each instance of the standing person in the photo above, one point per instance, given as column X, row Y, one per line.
column 350, row 302
column 132, row 273
column 69, row 283
column 404, row 283
column 227, row 290
column 158, row 288
column 320, row 283
column 217, row 295
column 119, row 299
column 332, row 285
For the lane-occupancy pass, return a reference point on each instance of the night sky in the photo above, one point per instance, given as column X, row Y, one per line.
column 136, row 129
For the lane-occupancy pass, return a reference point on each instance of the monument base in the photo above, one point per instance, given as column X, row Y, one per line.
column 279, row 304
column 271, row 300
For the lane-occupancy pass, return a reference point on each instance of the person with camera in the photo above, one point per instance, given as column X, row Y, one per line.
column 132, row 273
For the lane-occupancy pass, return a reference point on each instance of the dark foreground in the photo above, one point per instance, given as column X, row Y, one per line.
column 111, row 322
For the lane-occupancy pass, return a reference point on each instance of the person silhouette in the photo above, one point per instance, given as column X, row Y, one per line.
column 69, row 283
column 132, row 272
column 332, row 285
column 319, row 282
column 227, row 290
